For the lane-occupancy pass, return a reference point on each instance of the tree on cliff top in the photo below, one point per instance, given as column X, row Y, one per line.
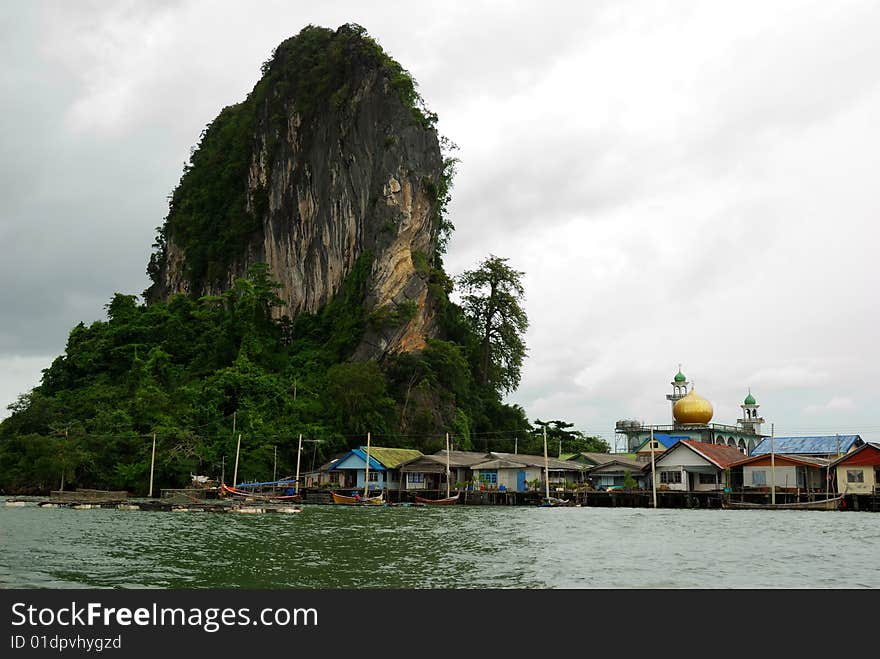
column 491, row 304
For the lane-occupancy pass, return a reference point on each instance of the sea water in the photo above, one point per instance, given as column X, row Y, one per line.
column 448, row 547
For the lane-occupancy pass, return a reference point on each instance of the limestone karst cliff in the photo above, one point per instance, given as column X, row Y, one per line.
column 331, row 160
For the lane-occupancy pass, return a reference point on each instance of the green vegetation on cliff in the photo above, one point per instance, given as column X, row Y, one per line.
column 183, row 369
column 197, row 371
column 208, row 216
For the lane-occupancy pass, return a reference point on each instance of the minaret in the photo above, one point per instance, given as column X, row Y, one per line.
column 679, row 389
column 750, row 422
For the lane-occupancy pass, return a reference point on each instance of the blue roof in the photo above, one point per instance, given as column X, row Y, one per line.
column 664, row 439
column 825, row 444
column 359, row 453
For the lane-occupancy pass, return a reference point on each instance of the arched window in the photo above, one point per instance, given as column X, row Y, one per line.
column 731, row 441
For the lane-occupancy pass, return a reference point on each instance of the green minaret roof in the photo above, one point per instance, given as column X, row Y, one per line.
column 750, row 400
column 679, row 377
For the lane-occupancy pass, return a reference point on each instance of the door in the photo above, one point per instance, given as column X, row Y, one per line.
column 521, row 480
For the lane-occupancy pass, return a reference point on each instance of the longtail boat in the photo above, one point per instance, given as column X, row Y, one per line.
column 554, row 502
column 446, row 501
column 357, row 500
column 236, row 492
column 824, row 504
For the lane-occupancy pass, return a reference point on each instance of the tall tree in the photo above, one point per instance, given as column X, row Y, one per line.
column 563, row 439
column 492, row 305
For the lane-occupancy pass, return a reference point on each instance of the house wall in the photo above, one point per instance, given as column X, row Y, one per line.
column 378, row 484
column 680, row 457
column 617, row 477
column 867, row 487
column 710, row 487
column 683, row 486
column 416, row 486
column 508, row 477
column 786, row 475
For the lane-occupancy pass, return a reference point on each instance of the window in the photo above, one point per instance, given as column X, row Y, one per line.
column 670, row 477
column 707, row 479
column 488, row 476
column 855, row 476
column 417, row 477
column 374, row 476
column 759, row 477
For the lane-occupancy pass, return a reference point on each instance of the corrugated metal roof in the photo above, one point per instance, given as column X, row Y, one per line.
column 825, row 444
column 462, row 458
column 620, row 464
column 594, row 458
column 859, row 456
column 498, row 463
column 436, row 463
column 720, row 455
column 786, row 458
column 538, row 461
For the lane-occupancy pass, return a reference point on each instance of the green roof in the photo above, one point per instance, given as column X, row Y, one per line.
column 750, row 400
column 679, row 377
column 391, row 457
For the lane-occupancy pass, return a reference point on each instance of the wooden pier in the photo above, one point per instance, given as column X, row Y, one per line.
column 180, row 502
column 160, row 505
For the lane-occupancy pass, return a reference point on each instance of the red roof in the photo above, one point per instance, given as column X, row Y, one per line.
column 765, row 459
column 866, row 455
column 719, row 454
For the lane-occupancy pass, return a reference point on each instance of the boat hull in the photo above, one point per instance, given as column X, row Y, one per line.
column 241, row 494
column 825, row 504
column 356, row 501
column 447, row 501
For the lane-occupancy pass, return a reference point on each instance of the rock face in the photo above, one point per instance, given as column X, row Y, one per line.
column 339, row 163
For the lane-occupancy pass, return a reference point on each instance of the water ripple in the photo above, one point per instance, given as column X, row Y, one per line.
column 458, row 547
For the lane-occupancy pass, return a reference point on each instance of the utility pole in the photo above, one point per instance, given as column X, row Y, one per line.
column 772, row 468
column 298, row 456
column 275, row 466
column 515, row 445
column 448, row 471
column 546, row 469
column 237, row 451
column 653, row 472
column 65, row 451
column 152, row 465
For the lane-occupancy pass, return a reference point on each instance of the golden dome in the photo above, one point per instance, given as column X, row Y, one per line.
column 693, row 408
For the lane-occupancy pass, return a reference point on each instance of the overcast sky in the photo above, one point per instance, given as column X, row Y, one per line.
column 682, row 182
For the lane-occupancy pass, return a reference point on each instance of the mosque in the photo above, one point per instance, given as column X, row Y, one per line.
column 691, row 419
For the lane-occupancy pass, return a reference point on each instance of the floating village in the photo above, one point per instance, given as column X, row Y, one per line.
column 689, row 463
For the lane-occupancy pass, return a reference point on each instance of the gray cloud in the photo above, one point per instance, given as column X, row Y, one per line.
column 685, row 183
